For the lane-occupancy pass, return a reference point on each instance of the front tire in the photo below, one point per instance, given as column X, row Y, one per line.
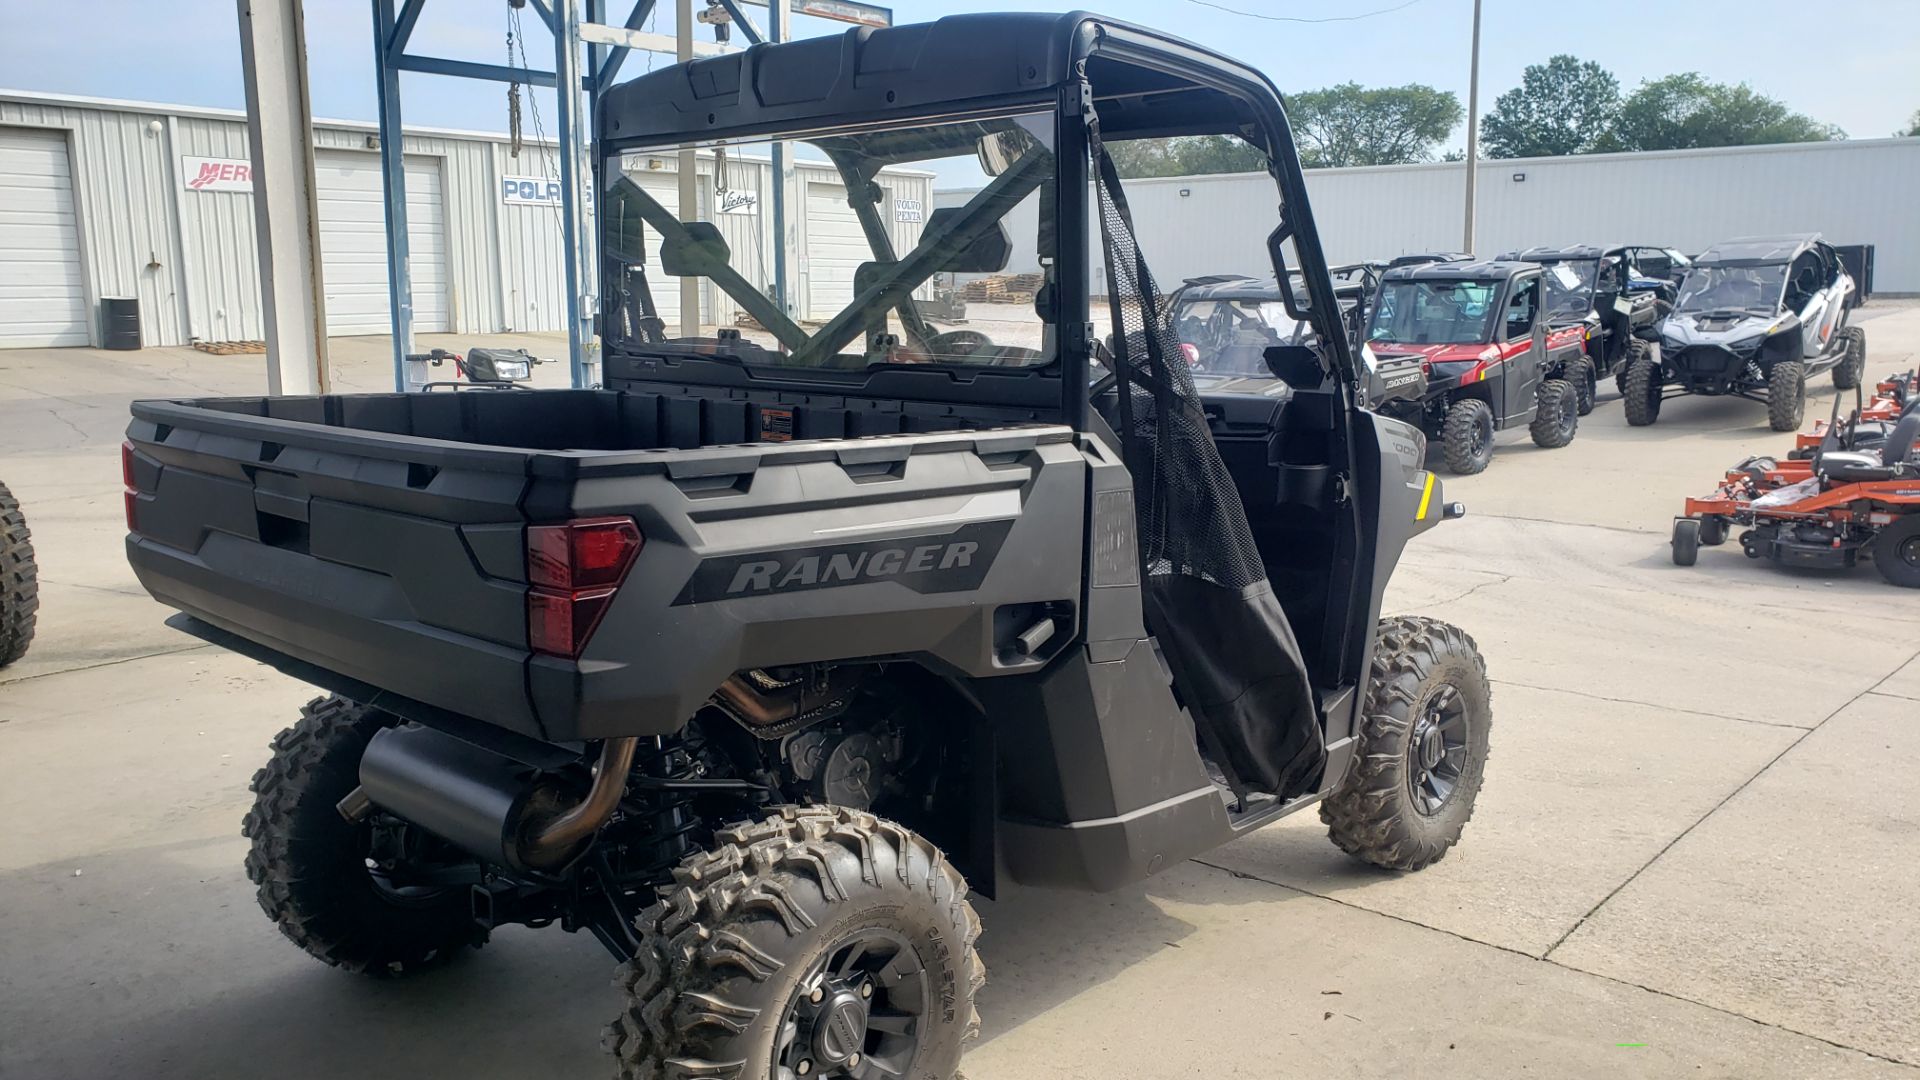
column 1558, row 417
column 1642, row 389
column 1422, row 749
column 820, row 942
column 1786, row 396
column 19, row 580
column 1686, row 541
column 311, row 864
column 1467, row 436
column 1853, row 365
column 1896, row 552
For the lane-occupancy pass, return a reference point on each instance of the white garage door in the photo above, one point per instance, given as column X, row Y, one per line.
column 43, row 296
column 835, row 248
column 353, row 242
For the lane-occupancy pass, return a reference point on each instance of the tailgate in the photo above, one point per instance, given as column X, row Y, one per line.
column 392, row 560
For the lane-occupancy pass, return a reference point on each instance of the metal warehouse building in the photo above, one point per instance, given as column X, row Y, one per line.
column 1864, row 191
column 123, row 199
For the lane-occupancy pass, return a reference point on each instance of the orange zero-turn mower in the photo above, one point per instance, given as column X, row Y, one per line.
column 1822, row 513
column 1872, row 418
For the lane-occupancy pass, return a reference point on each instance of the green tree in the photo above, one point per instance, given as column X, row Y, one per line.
column 1685, row 111
column 1913, row 124
column 1350, row 124
column 1563, row 106
column 1186, row 155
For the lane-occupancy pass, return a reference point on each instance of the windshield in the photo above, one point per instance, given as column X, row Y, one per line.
column 1434, row 313
column 1231, row 337
column 874, row 268
column 1570, row 288
column 1733, row 288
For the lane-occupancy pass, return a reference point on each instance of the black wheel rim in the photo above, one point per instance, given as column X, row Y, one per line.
column 1482, row 439
column 859, row 1014
column 1437, row 752
column 1909, row 551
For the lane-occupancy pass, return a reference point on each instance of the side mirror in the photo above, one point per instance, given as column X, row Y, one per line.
column 988, row 254
column 699, row 251
column 1296, row 365
column 998, row 150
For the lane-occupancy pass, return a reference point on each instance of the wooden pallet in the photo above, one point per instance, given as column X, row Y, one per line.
column 230, row 348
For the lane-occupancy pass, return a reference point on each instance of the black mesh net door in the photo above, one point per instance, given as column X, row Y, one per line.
column 1235, row 661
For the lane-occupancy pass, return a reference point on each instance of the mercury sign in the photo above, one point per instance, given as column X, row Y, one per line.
column 216, row 174
column 537, row 190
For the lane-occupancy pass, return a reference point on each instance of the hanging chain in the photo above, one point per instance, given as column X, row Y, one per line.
column 513, row 106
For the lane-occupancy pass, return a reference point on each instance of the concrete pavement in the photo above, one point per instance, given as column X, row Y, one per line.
column 1696, row 853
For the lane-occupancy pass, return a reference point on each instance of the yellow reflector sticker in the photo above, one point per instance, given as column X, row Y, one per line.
column 1426, row 498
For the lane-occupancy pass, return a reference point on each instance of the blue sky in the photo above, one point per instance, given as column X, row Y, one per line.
column 1866, row 78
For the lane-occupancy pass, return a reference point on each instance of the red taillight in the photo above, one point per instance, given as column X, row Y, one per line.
column 130, row 493
column 575, row 569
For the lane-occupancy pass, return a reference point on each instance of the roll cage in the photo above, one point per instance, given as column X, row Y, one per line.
column 845, row 92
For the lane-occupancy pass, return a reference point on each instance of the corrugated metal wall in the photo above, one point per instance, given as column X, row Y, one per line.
column 123, row 182
column 1853, row 192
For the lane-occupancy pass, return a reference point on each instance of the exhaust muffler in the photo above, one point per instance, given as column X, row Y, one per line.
column 493, row 807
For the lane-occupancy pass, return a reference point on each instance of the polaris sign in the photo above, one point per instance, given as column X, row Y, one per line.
column 530, row 190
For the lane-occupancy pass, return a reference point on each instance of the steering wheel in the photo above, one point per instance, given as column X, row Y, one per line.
column 962, row 342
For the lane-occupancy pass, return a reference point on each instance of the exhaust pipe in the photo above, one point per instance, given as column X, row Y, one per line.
column 497, row 809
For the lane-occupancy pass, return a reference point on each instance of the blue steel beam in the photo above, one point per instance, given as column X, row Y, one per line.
column 746, row 25
column 546, row 15
column 393, row 190
column 618, row 55
column 396, row 43
column 468, row 69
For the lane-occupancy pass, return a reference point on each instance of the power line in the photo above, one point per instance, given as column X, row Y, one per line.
column 1296, row 19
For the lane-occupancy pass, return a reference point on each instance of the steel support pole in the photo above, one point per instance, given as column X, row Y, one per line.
column 393, row 193
column 1473, row 132
column 273, row 58
column 777, row 16
column 689, row 165
column 577, row 232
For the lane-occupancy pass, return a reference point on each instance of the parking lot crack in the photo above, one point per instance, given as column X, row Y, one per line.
column 1648, row 705
column 1545, row 959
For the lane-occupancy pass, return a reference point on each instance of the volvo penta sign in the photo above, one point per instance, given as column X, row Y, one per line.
column 535, row 190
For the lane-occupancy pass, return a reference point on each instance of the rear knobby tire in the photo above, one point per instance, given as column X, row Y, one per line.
column 1896, row 552
column 1558, row 417
column 1853, row 364
column 1686, row 541
column 1786, row 395
column 1467, row 436
column 738, row 942
column 1374, row 814
column 19, row 580
column 1585, row 383
column 310, row 863
column 1642, row 389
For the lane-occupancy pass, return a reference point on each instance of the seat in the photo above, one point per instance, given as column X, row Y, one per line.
column 1892, row 462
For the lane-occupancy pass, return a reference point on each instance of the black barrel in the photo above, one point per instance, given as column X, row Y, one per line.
column 119, row 322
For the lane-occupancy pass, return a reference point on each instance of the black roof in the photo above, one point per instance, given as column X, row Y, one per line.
column 1418, row 258
column 1238, row 287
column 1757, row 250
column 1549, row 253
column 923, row 71
column 1477, row 270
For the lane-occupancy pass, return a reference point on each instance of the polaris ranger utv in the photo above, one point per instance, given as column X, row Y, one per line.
column 1481, row 334
column 741, row 662
column 1594, row 288
column 1754, row 318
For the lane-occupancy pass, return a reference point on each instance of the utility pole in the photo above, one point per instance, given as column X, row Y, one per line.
column 1473, row 131
column 689, row 179
column 777, row 15
column 273, row 55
